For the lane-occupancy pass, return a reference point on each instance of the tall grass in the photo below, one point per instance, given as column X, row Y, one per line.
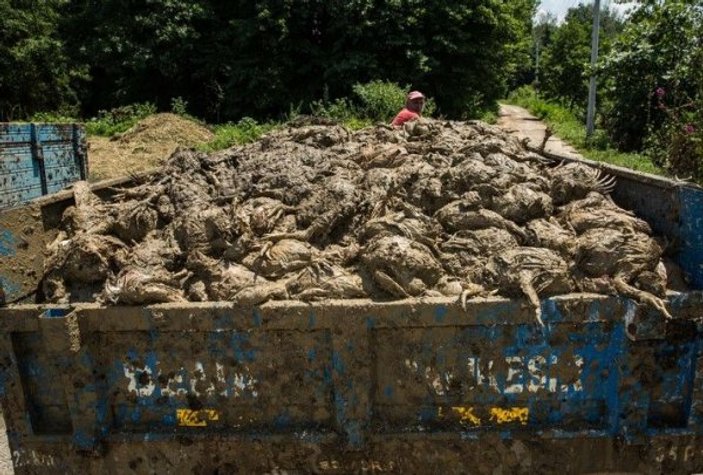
column 245, row 131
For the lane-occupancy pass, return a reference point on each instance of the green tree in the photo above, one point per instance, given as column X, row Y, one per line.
column 136, row 51
column 234, row 58
column 566, row 59
column 472, row 50
column 35, row 73
column 656, row 60
column 543, row 30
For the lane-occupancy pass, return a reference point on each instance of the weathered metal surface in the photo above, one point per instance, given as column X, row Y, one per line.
column 406, row 454
column 356, row 386
column 26, row 231
column 691, row 234
column 37, row 159
column 346, row 382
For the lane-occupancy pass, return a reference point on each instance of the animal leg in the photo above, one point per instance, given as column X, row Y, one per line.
column 531, row 294
column 470, row 290
column 641, row 296
column 387, row 283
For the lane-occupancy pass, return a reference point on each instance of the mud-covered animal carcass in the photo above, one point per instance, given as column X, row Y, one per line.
column 313, row 212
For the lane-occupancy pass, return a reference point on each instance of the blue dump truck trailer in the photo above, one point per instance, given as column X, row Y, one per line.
column 39, row 159
column 356, row 386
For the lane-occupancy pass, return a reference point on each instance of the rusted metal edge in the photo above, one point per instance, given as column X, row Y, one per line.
column 643, row 322
column 656, row 180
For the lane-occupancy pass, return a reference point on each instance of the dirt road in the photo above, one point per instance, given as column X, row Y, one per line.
column 523, row 124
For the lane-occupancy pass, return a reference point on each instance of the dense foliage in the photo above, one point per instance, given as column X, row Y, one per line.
column 655, row 73
column 35, row 71
column 229, row 59
column 650, row 77
column 566, row 58
column 566, row 52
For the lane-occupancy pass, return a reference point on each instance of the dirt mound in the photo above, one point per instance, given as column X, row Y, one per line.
column 145, row 146
column 317, row 212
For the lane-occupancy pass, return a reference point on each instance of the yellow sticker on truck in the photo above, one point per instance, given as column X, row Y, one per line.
column 196, row 418
column 478, row 416
column 511, row 414
column 466, row 415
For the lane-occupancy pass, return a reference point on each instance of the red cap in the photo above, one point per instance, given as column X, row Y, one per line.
column 415, row 95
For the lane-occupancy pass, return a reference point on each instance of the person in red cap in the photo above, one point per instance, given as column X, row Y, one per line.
column 414, row 104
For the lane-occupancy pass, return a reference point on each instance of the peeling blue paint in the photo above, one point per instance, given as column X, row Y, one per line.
column 11, row 289
column 388, row 391
column 239, row 342
column 610, row 387
column 168, row 420
column 312, row 354
column 7, row 243
column 690, row 256
column 439, row 314
column 37, row 159
column 337, row 363
column 256, row 317
column 282, row 421
column 83, row 440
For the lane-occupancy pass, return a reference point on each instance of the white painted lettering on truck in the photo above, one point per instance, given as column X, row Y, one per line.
column 520, row 374
column 523, row 374
column 143, row 381
column 27, row 458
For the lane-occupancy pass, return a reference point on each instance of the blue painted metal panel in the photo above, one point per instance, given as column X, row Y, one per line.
column 691, row 234
column 36, row 159
column 569, row 378
column 263, row 390
column 20, row 174
column 14, row 133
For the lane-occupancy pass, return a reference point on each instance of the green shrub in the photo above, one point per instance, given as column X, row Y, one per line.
column 381, row 100
column 53, row 117
column 119, row 119
column 490, row 117
column 375, row 101
column 341, row 109
column 677, row 144
column 179, row 106
column 247, row 130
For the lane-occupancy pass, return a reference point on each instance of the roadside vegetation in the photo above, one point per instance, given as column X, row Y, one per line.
column 569, row 126
column 114, row 63
column 650, row 85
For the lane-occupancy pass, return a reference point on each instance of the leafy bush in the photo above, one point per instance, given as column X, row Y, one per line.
column 179, row 106
column 660, row 48
column 677, row 144
column 341, row 109
column 381, row 100
column 247, row 130
column 490, row 117
column 118, row 120
column 61, row 117
column 375, row 101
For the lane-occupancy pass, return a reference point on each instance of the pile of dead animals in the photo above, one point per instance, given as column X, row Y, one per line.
column 315, row 212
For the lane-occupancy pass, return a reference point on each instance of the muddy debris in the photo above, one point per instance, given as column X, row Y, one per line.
column 315, row 211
